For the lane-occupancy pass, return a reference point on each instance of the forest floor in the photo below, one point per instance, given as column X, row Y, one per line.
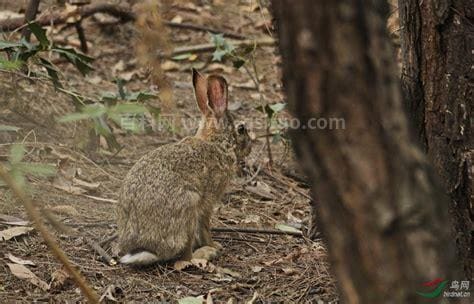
column 253, row 268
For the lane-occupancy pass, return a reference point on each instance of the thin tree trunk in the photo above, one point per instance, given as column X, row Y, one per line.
column 438, row 79
column 382, row 213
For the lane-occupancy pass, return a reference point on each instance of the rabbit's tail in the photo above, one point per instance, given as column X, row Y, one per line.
column 140, row 258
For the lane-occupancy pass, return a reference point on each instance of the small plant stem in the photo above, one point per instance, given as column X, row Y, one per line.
column 35, row 217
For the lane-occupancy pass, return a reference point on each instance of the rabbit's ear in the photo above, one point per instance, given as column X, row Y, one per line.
column 217, row 94
column 200, row 91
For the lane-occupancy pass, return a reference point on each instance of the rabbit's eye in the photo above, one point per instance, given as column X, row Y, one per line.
column 241, row 129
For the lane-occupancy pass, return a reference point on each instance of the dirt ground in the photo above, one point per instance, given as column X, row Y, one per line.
column 253, row 268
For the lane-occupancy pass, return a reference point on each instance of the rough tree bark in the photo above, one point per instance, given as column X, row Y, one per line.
column 438, row 79
column 382, row 213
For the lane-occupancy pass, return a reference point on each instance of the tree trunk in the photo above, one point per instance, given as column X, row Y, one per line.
column 382, row 213
column 438, row 80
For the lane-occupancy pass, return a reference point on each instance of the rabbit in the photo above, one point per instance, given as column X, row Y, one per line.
column 167, row 197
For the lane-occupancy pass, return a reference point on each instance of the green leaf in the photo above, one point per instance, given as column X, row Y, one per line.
column 73, row 117
column 8, row 45
column 108, row 97
column 52, row 71
column 277, row 107
column 79, row 60
column 17, row 177
column 87, row 112
column 129, row 108
column 36, row 168
column 17, row 152
column 190, row 300
column 238, row 63
column 287, row 228
column 276, row 138
column 6, row 128
column 24, row 55
column 270, row 110
column 121, row 88
column 40, row 34
column 182, row 56
column 218, row 55
column 217, row 39
column 140, row 96
column 10, row 64
column 101, row 126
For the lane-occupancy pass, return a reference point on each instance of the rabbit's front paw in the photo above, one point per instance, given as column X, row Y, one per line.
column 207, row 253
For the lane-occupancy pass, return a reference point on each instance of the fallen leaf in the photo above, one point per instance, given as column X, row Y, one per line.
column 248, row 85
column 191, row 300
column 253, row 299
column 206, row 253
column 289, row 270
column 4, row 14
column 10, row 233
column 65, row 210
column 62, row 184
column 234, row 106
column 93, row 79
column 11, row 220
column 67, row 180
column 252, row 218
column 118, row 67
column 182, row 265
column 261, row 189
column 177, row 19
column 204, row 265
column 169, row 65
column 21, row 272
column 17, row 260
column 86, row 185
column 227, row 271
column 257, row 268
column 59, row 278
column 219, row 67
column 111, row 293
column 127, row 76
column 192, row 57
column 287, row 228
column 209, row 299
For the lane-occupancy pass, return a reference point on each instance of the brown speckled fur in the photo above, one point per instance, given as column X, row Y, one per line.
column 166, row 199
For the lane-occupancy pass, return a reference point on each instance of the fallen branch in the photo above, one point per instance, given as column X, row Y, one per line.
column 207, row 47
column 256, row 230
column 119, row 11
column 202, row 28
column 231, row 229
column 59, row 226
column 35, row 217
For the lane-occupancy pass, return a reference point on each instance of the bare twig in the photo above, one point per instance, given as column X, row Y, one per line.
column 256, row 230
column 99, row 250
column 81, row 35
column 204, row 29
column 30, row 15
column 120, row 11
column 35, row 217
column 59, row 226
column 207, row 47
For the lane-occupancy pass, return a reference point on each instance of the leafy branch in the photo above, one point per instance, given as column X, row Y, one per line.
column 21, row 52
